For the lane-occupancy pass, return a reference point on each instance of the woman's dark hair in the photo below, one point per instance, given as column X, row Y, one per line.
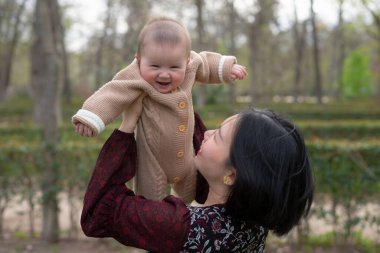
column 274, row 180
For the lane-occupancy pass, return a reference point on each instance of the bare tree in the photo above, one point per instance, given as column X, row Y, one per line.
column 10, row 20
column 341, row 46
column 66, row 91
column 316, row 55
column 201, row 89
column 7, row 189
column 373, row 7
column 256, row 33
column 337, row 55
column 232, row 19
column 45, row 68
column 99, row 76
column 299, row 48
column 138, row 12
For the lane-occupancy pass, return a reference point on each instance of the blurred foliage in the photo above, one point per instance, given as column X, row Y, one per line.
column 357, row 75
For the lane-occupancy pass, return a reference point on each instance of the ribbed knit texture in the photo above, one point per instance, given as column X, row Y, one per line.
column 165, row 154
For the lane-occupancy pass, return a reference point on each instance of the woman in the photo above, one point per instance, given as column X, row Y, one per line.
column 257, row 178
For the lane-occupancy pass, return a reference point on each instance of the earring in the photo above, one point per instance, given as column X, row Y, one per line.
column 225, row 180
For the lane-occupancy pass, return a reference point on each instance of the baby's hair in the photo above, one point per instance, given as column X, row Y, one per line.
column 164, row 30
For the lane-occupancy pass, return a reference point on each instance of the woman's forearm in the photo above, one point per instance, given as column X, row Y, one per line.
column 112, row 210
column 116, row 164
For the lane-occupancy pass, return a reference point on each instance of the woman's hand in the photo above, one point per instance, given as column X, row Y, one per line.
column 131, row 115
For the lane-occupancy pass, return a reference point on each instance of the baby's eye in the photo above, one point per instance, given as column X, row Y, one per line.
column 174, row 67
column 154, row 66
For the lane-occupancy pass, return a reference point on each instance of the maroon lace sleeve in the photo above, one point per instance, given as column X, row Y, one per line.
column 112, row 210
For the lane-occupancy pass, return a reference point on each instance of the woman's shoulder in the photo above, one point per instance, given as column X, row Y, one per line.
column 213, row 230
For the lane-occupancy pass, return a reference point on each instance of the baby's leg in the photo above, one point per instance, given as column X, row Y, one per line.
column 185, row 189
column 150, row 180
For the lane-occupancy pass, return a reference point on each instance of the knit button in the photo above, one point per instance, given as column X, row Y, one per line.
column 180, row 154
column 176, row 179
column 182, row 105
column 181, row 128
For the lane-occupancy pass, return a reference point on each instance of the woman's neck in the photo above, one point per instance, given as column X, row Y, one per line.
column 215, row 197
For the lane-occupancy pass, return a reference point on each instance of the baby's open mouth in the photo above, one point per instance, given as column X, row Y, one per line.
column 163, row 83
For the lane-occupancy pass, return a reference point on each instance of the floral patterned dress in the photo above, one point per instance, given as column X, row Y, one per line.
column 213, row 230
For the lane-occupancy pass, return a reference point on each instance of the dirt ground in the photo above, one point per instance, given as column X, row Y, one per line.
column 16, row 219
column 110, row 246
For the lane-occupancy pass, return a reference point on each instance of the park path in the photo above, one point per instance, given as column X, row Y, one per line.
column 16, row 219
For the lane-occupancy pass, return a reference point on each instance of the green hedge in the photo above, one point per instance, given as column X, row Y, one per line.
column 352, row 130
column 346, row 169
column 341, row 167
column 344, row 129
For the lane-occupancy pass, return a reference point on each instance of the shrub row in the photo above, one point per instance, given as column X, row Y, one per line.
column 314, row 129
column 343, row 168
column 352, row 130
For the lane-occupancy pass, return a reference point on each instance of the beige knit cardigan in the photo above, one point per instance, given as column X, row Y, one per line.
column 165, row 129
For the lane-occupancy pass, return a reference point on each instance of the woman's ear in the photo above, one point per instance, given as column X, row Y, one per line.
column 230, row 177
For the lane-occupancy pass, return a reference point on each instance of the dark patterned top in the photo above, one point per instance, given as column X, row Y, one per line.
column 213, row 230
column 112, row 210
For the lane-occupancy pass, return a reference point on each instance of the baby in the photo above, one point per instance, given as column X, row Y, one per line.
column 165, row 69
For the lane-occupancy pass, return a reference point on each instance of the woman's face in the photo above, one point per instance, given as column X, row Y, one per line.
column 214, row 151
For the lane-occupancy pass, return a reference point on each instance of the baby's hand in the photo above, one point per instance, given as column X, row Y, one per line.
column 238, row 72
column 84, row 130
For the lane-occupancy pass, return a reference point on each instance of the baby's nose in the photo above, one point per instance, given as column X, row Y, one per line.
column 164, row 74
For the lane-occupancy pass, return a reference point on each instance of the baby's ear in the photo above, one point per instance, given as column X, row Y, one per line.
column 138, row 58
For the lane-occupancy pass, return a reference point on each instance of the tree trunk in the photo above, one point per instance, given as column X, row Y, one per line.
column 45, row 65
column 99, row 78
column 137, row 16
column 66, row 91
column 337, row 56
column 376, row 35
column 232, row 47
column 256, row 34
column 378, row 78
column 341, row 47
column 4, row 201
column 299, row 48
column 317, row 68
column 7, row 59
column 30, row 199
column 73, row 210
column 253, row 60
column 201, row 89
column 2, row 210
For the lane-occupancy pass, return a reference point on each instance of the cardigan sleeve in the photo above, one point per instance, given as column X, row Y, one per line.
column 112, row 210
column 214, row 67
column 107, row 103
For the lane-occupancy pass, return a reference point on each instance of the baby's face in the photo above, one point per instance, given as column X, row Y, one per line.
column 163, row 66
